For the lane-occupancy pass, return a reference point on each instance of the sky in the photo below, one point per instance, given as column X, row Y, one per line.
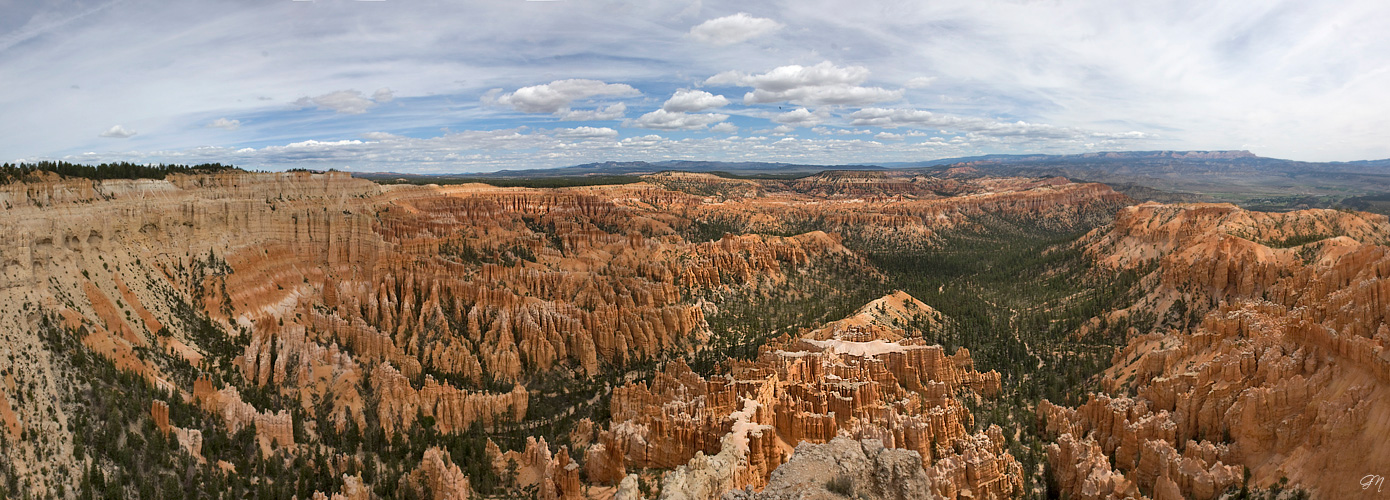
column 426, row 87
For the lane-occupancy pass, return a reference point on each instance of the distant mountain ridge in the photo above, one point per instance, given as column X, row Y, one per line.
column 1110, row 155
column 1242, row 157
column 1240, row 177
column 643, row 167
column 1236, row 176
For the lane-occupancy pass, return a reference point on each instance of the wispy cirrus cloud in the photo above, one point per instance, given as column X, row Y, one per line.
column 893, row 118
column 610, row 112
column 225, row 124
column 348, row 101
column 1290, row 79
column 489, row 150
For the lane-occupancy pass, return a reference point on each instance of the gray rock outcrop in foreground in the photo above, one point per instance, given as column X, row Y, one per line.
column 845, row 468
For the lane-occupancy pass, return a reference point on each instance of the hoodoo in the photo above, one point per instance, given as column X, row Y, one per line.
column 688, row 337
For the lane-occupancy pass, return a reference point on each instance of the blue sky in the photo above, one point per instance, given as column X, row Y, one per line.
column 479, row 86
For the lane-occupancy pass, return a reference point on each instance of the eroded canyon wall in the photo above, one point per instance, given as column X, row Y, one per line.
column 297, row 306
column 863, row 381
column 1269, row 355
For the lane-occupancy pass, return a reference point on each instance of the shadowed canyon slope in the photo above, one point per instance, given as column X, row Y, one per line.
column 690, row 336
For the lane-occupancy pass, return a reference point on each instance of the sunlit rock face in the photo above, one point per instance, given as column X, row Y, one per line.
column 864, row 381
column 269, row 300
column 1279, row 370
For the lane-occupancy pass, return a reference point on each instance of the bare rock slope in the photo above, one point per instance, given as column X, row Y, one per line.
column 845, row 467
column 1269, row 355
column 316, row 316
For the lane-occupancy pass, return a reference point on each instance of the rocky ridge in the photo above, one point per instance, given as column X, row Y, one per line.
column 845, row 467
column 1275, row 366
column 731, row 432
column 265, row 296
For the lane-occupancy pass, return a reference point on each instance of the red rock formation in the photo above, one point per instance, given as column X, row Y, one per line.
column 152, row 325
column 113, row 322
column 1141, row 443
column 444, row 478
column 1084, row 472
column 807, row 389
column 191, row 440
column 1278, row 376
column 582, row 434
column 8, row 418
column 159, row 412
column 604, row 462
column 453, row 409
column 273, row 430
column 554, row 476
column 435, row 291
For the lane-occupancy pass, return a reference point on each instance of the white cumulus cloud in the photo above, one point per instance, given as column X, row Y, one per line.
column 724, row 128
column 666, row 120
column 733, row 29
column 800, row 117
column 840, row 131
column 819, row 85
column 690, row 101
column 645, row 142
column 496, row 149
column 556, row 96
column 586, row 133
column 1299, row 80
column 118, row 132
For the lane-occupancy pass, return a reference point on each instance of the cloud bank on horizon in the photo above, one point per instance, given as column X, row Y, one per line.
column 443, row 87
